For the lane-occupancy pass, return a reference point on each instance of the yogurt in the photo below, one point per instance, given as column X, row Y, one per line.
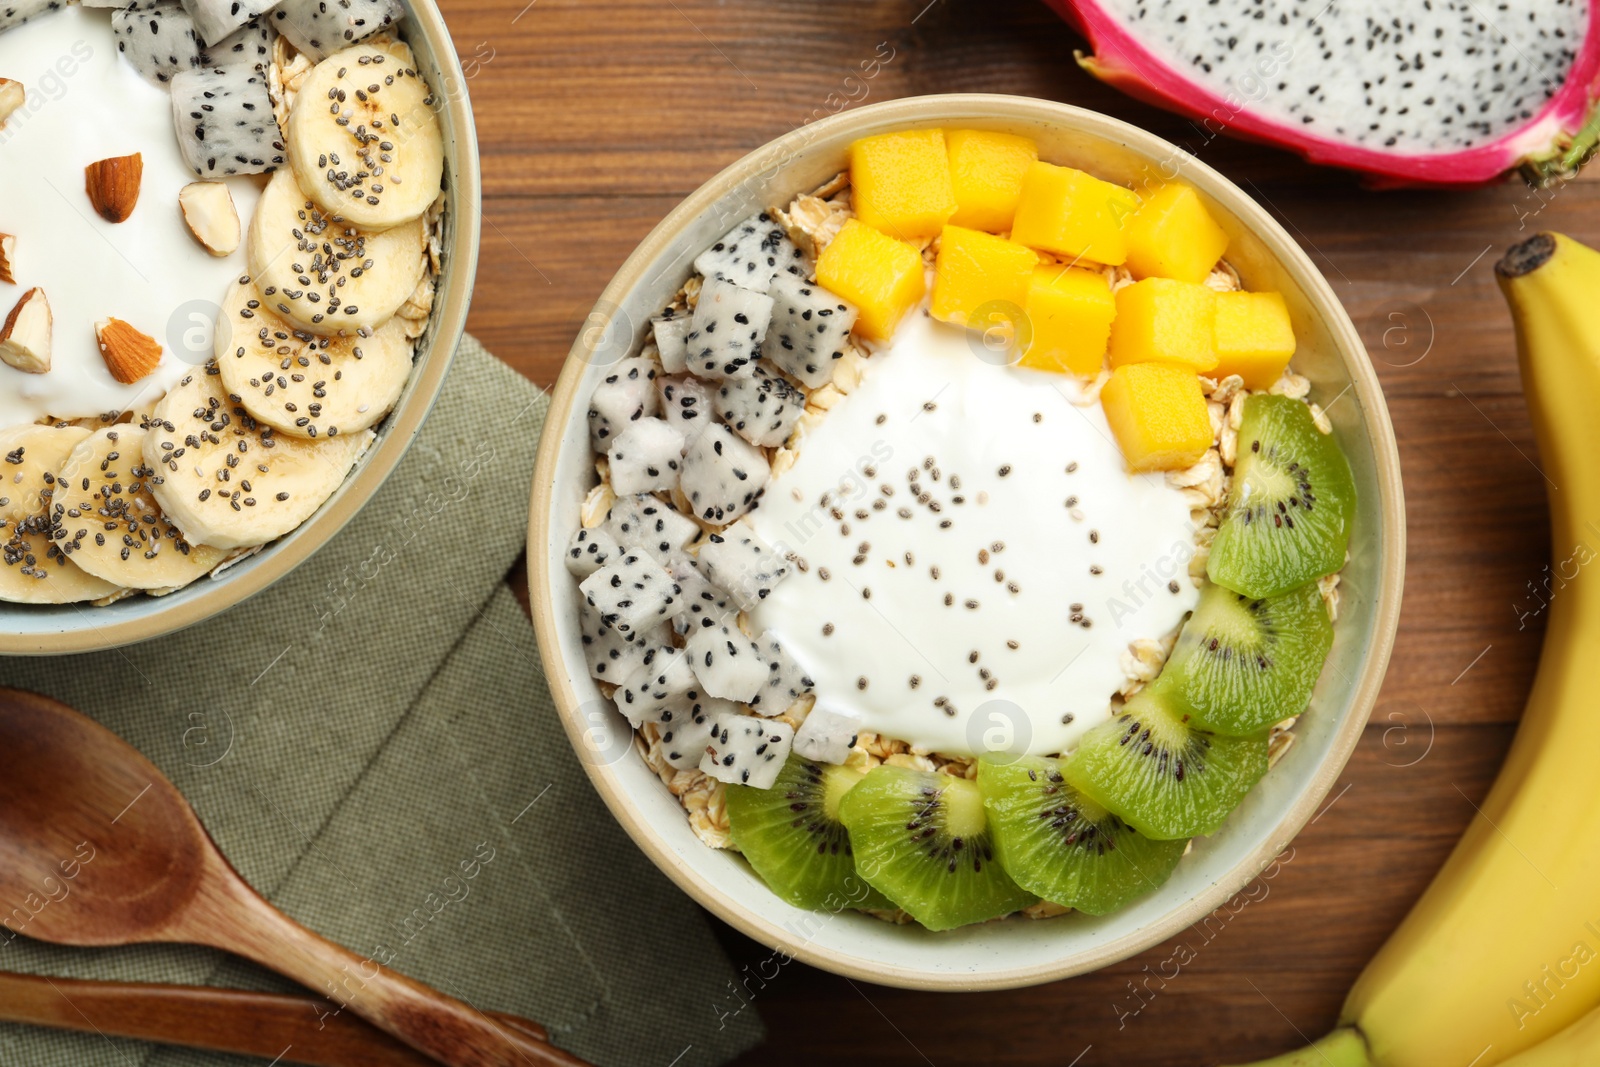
column 84, row 103
column 977, row 558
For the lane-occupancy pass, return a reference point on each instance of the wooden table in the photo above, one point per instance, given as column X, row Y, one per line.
column 597, row 117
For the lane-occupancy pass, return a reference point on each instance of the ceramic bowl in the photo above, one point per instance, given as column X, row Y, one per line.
column 1012, row 952
column 34, row 630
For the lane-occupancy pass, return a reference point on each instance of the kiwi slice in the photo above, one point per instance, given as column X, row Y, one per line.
column 792, row 836
column 1165, row 777
column 1243, row 663
column 1289, row 511
column 923, row 840
column 1056, row 842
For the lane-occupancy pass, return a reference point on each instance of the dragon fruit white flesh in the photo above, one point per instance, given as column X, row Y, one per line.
column 685, row 735
column 746, row 750
column 644, row 457
column 249, row 47
column 216, row 19
column 809, row 329
column 612, row 656
column 158, row 40
column 669, row 332
column 751, row 254
column 659, row 690
column 686, row 404
column 647, row 524
column 702, row 604
column 320, row 27
column 728, row 663
column 14, row 13
column 724, row 339
column 1448, row 92
column 762, row 408
column 631, row 593
column 225, row 121
column 626, row 393
column 786, row 680
column 740, row 562
column 589, row 550
column 828, row 734
column 722, row 475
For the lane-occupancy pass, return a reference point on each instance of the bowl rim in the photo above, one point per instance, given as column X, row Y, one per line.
column 1391, row 534
column 398, row 431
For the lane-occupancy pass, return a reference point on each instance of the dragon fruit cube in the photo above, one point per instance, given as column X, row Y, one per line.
column 631, row 593
column 724, row 339
column 702, row 604
column 645, row 456
column 728, row 664
column 612, row 656
column 722, row 475
column 740, row 562
column 670, row 331
column 751, row 254
column 589, row 550
column 762, row 408
column 626, row 394
column 659, row 690
column 686, row 404
column 745, row 750
column 786, row 680
column 828, row 734
column 808, row 330
column 684, row 737
column 645, row 523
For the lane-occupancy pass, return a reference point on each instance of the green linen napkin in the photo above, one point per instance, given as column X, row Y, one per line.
column 374, row 726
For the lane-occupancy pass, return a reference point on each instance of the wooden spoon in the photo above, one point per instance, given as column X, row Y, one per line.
column 97, row 848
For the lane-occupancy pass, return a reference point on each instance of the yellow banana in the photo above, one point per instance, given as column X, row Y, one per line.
column 1503, row 950
column 1576, row 1046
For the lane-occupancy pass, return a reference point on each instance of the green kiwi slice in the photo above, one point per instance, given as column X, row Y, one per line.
column 1289, row 510
column 923, row 840
column 1165, row 777
column 1243, row 663
column 1057, row 843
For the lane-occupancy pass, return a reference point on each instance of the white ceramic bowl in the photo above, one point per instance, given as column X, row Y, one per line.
column 1012, row 952
column 28, row 630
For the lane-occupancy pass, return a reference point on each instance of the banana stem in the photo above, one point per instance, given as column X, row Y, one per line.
column 1344, row 1047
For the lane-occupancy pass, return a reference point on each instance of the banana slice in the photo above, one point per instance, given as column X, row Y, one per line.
column 363, row 136
column 302, row 384
column 105, row 520
column 34, row 571
column 323, row 273
column 229, row 481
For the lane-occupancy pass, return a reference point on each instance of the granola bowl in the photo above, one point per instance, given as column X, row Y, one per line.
column 680, row 817
column 221, row 269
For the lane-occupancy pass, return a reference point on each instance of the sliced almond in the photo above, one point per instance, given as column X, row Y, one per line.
column 129, row 354
column 11, row 98
column 208, row 209
column 113, row 185
column 25, row 337
column 8, row 252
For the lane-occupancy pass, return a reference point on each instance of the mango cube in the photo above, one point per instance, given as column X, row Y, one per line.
column 1253, row 337
column 1073, row 214
column 974, row 269
column 1172, row 235
column 901, row 183
column 1158, row 416
column 1164, row 321
column 986, row 170
column 879, row 275
column 1069, row 311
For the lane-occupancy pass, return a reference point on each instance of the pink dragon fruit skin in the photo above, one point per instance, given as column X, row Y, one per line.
column 1549, row 145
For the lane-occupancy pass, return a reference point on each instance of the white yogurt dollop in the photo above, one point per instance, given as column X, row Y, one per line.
column 1021, row 516
column 84, row 103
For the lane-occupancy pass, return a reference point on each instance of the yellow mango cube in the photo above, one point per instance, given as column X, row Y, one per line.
column 1172, row 235
column 882, row 277
column 986, row 170
column 974, row 269
column 1069, row 312
column 1164, row 321
column 1073, row 214
column 1253, row 337
column 1158, row 416
column 900, row 183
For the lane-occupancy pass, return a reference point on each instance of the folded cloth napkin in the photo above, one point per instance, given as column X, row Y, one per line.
column 372, row 743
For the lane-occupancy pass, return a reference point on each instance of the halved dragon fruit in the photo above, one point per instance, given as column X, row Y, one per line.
column 16, row 12
column 669, row 332
column 589, row 550
column 631, row 593
column 216, row 19
column 741, row 562
column 626, row 394
column 808, row 330
column 644, row 457
column 828, row 734
column 225, row 121
column 612, row 656
column 158, row 40
column 751, row 254
column 728, row 664
column 686, row 404
column 659, row 690
column 746, row 750
column 723, row 475
column 762, row 408
column 724, row 339
column 321, row 27
column 645, row 523
column 786, row 680
column 1432, row 94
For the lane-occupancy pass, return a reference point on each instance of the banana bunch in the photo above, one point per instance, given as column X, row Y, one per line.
column 1499, row 962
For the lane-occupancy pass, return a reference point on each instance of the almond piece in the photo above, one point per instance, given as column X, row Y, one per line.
column 8, row 253
column 113, row 185
column 208, row 209
column 129, row 354
column 11, row 98
column 25, row 337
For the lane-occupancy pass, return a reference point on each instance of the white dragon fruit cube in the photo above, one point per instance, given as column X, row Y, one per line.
column 669, row 331
column 724, row 339
column 828, row 734
column 701, row 604
column 685, row 735
column 751, row 254
column 589, row 550
column 645, row 457
column 626, row 394
column 645, row 523
column 746, row 750
column 727, row 662
column 612, row 656
column 722, row 475
column 808, row 330
column 739, row 561
column 631, row 593
column 224, row 118
column 762, row 408
column 158, row 39
column 786, row 680
column 686, row 405
column 658, row 690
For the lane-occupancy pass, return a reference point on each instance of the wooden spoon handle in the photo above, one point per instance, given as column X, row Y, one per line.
column 294, row 1029
column 451, row 1032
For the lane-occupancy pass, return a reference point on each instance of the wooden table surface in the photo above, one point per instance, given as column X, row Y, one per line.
column 598, row 116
